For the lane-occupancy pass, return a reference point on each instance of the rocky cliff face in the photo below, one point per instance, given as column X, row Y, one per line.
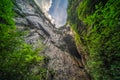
column 64, row 58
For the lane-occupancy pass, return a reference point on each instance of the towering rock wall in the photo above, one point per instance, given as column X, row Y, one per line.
column 64, row 59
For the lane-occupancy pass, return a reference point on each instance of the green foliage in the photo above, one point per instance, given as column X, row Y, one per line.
column 87, row 7
column 16, row 57
column 104, row 41
column 83, row 9
column 100, row 36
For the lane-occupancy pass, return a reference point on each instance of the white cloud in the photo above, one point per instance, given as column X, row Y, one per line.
column 45, row 6
column 59, row 12
column 58, row 15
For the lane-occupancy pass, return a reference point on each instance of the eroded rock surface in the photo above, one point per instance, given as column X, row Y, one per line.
column 64, row 59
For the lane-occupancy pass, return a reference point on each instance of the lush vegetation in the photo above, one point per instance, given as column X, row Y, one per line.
column 17, row 59
column 97, row 29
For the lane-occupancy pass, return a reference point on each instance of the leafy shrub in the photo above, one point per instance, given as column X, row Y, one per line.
column 103, row 41
column 100, row 36
column 16, row 57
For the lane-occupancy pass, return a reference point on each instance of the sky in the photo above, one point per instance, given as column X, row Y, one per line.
column 58, row 12
column 55, row 10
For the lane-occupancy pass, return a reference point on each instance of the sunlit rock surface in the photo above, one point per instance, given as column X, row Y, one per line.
column 64, row 59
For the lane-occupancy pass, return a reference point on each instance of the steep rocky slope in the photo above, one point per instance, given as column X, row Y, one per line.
column 64, row 59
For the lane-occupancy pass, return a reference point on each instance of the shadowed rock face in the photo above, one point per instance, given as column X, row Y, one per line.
column 64, row 58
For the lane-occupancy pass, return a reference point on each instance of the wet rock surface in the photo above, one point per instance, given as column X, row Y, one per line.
column 64, row 59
